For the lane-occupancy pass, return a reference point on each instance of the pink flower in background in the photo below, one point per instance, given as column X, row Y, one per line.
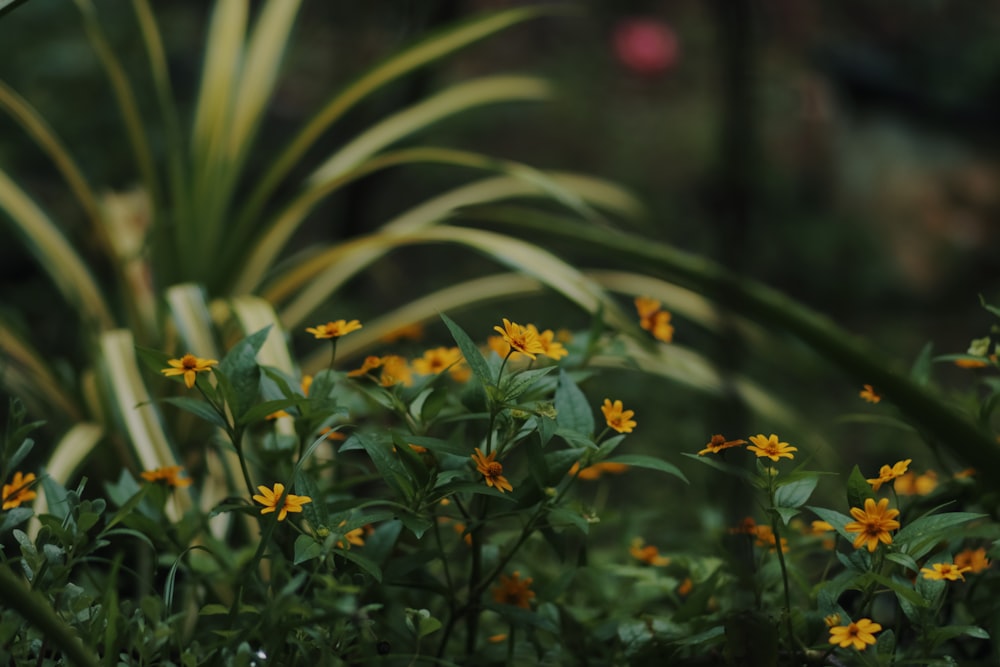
column 646, row 46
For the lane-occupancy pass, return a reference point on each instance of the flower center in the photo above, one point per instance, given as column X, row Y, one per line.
column 494, row 469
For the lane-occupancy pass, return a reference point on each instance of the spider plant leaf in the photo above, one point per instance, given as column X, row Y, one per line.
column 425, row 51
column 54, row 254
column 133, row 407
column 24, row 372
column 456, row 99
column 190, row 314
column 254, row 314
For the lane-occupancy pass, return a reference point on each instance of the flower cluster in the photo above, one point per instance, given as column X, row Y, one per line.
column 654, row 319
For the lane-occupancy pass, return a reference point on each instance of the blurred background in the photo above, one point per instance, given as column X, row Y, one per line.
column 843, row 152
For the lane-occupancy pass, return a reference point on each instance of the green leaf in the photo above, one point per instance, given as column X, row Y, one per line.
column 573, row 411
column 941, row 634
column 450, row 488
column 366, row 564
column 11, row 519
column 392, row 471
column 918, row 537
column 901, row 589
column 197, row 407
column 650, row 462
column 470, row 351
column 517, row 383
column 858, row 489
column 718, row 464
column 565, row 516
column 787, row 513
column 306, row 549
column 905, row 560
column 795, row 494
column 261, row 411
column 835, row 519
column 921, row 369
column 241, row 372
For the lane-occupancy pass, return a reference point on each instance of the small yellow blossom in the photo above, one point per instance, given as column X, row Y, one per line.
column 370, row 363
column 306, row 384
column 492, row 471
column 911, row 484
column 973, row 559
column 617, row 417
column 942, row 571
column 436, row 360
column 497, row 639
column 686, row 587
column 595, row 471
column 965, row 473
column 887, row 473
column 188, row 366
column 168, row 474
column 551, row 348
column 395, row 370
column 859, row 634
column 514, row 591
column 520, row 339
column 719, row 443
column 831, row 620
column 770, row 447
column 414, row 331
column 653, row 319
column 765, row 538
column 647, row 553
column 17, row 491
column 334, row 329
column 971, row 363
column 354, row 537
column 270, row 498
column 746, row 526
column 869, row 394
column 873, row 523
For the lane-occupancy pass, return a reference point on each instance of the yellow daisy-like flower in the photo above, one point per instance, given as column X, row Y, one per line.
column 653, row 319
column 169, row 475
column 370, row 363
column 617, row 417
column 437, row 360
column 492, row 471
column 188, row 366
column 354, row 537
column 395, row 370
column 17, row 491
column 869, row 394
column 770, row 447
column 719, row 443
column 334, row 329
column 859, row 634
column 521, row 339
column 765, row 538
column 647, row 553
column 551, row 348
column 942, row 571
column 595, row 471
column 973, row 559
column 270, row 498
column 514, row 591
column 887, row 473
column 873, row 524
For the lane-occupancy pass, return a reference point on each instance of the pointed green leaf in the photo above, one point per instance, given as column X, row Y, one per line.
column 650, row 462
column 470, row 351
column 573, row 410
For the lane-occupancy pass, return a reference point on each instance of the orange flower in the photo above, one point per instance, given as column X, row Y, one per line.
column 859, row 635
column 395, row 370
column 686, row 587
column 770, row 447
column 168, row 474
column 647, row 553
column 887, row 474
column 942, row 571
column 521, row 339
column 414, row 331
column 718, row 443
column 270, row 498
column 653, row 319
column 17, row 491
column 971, row 363
column 354, row 537
column 974, row 560
column 765, row 538
column 188, row 366
column 370, row 363
column 916, row 485
column 595, row 471
column 869, row 394
column 617, row 417
column 334, row 329
column 873, row 524
column 514, row 591
column 437, row 360
column 551, row 348
column 492, row 471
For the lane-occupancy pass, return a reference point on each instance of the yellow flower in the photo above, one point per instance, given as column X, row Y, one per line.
column 551, row 348
column 765, row 538
column 168, row 474
column 492, row 471
column 617, row 417
column 887, row 474
column 370, row 363
column 334, row 329
column 414, row 331
column 354, row 537
column 496, row 639
column 873, row 523
column 942, row 571
column 916, row 485
column 869, row 394
column 819, row 527
column 770, row 447
column 514, row 591
column 686, row 587
column 832, row 620
column 647, row 553
column 521, row 339
column 973, row 559
column 395, row 370
column 270, row 499
column 437, row 360
column 595, row 471
column 718, row 443
column 653, row 319
column 858, row 634
column 188, row 366
column 17, row 491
